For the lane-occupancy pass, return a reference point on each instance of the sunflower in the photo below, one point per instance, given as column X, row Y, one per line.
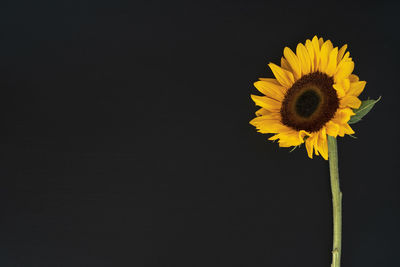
column 312, row 95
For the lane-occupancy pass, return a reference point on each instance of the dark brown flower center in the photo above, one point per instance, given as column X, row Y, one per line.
column 310, row 103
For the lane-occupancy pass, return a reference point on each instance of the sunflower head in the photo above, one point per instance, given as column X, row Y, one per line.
column 312, row 95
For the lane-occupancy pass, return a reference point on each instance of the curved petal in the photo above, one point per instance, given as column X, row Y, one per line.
column 317, row 56
column 267, row 118
column 284, row 77
column 346, row 58
column 303, row 134
column 268, row 126
column 343, row 115
column 304, row 58
column 310, row 51
column 332, row 128
column 326, row 49
column 271, row 80
column 347, row 129
column 285, row 64
column 267, row 103
column 321, row 41
column 262, row 112
column 350, row 101
column 356, row 88
column 346, row 84
column 341, row 52
column 322, row 143
column 353, row 78
column 339, row 90
column 289, row 138
column 331, row 67
column 293, row 61
column 344, row 71
column 271, row 90
column 310, row 145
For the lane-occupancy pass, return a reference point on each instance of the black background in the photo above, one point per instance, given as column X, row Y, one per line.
column 125, row 138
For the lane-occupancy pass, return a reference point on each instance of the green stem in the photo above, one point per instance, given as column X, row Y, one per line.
column 336, row 201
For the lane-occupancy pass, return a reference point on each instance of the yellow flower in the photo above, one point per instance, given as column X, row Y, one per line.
column 313, row 94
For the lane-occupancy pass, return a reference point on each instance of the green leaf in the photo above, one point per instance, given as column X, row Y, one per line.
column 365, row 107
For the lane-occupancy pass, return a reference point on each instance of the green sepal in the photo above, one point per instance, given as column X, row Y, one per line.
column 363, row 110
column 295, row 148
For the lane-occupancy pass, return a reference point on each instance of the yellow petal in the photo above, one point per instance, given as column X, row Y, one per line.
column 303, row 134
column 271, row 90
column 285, row 64
column 331, row 68
column 267, row 103
column 350, row 101
column 341, row 52
column 271, row 80
column 287, row 143
column 268, row 126
column 346, row 84
column 346, row 58
column 343, row 115
column 262, row 111
column 322, row 144
column 293, row 61
column 323, row 148
column 310, row 51
column 289, row 138
column 325, row 51
column 339, row 89
column 353, row 78
column 268, row 118
column 274, row 137
column 310, row 145
column 344, row 71
column 284, row 77
column 332, row 128
column 356, row 88
column 304, row 58
column 347, row 129
column 330, row 45
column 321, row 41
column 315, row 45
